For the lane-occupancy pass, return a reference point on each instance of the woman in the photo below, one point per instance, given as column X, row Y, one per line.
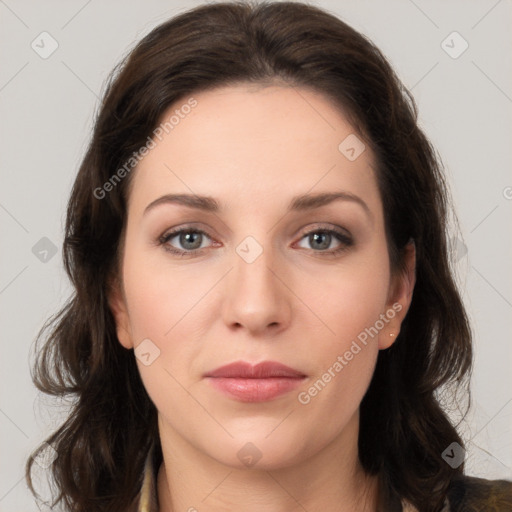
column 290, row 356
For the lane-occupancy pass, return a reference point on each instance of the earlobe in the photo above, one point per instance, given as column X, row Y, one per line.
column 117, row 305
column 400, row 297
column 386, row 340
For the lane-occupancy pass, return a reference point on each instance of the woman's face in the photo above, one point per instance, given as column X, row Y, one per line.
column 269, row 274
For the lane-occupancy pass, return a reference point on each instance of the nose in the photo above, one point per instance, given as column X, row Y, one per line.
column 256, row 296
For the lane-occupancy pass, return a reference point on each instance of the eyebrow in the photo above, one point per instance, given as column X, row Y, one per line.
column 298, row 203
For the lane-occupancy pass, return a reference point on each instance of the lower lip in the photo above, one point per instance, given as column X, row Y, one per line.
column 255, row 390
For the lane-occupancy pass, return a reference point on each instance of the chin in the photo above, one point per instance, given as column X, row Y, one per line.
column 259, row 451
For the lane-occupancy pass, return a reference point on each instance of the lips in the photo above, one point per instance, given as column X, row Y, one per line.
column 263, row 382
column 263, row 370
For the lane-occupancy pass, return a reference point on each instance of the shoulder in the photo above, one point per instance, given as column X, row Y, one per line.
column 471, row 494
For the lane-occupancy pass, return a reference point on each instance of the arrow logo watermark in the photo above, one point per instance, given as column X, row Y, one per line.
column 44, row 250
column 249, row 454
column 454, row 455
column 146, row 352
column 351, row 147
column 44, row 45
column 249, row 249
column 454, row 45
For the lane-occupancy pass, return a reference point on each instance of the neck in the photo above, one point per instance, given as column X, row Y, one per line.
column 330, row 480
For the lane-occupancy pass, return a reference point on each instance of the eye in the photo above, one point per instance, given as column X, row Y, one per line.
column 190, row 241
column 321, row 240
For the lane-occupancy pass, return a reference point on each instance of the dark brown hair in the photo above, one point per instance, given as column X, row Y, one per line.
column 403, row 429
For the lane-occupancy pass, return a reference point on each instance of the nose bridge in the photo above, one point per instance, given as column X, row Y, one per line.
column 255, row 296
column 253, row 268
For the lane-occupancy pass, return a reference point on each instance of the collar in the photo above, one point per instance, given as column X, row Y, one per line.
column 148, row 501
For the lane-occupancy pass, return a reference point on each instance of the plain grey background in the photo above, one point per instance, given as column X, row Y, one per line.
column 46, row 110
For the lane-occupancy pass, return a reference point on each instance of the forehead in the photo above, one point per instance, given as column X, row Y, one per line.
column 245, row 143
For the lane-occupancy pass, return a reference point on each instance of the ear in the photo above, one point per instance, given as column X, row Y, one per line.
column 399, row 298
column 117, row 304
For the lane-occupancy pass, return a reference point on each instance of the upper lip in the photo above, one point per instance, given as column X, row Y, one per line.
column 263, row 370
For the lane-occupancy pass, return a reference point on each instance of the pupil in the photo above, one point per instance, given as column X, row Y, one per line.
column 185, row 239
column 317, row 236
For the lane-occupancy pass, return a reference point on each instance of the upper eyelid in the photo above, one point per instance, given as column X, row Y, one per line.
column 318, row 226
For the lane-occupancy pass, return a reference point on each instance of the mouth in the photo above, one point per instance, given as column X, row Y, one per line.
column 262, row 382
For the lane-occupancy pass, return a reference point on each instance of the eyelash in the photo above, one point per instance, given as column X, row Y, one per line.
column 345, row 240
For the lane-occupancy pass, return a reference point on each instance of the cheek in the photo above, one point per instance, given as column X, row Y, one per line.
column 350, row 299
column 157, row 307
column 158, row 295
column 151, row 306
column 166, row 306
column 343, row 362
column 346, row 353
column 350, row 302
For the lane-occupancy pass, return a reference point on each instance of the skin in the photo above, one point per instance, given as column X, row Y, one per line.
column 253, row 149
